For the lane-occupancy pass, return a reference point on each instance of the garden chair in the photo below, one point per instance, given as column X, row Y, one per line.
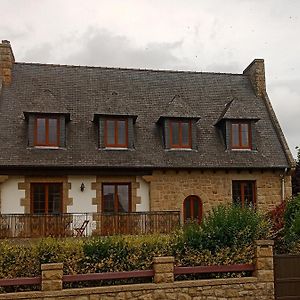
column 80, row 230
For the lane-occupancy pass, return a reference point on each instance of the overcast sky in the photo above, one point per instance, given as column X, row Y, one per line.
column 198, row 35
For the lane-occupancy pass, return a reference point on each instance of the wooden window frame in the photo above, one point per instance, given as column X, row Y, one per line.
column 242, row 187
column 180, row 145
column 47, row 143
column 116, row 202
column 240, row 146
column 116, row 144
column 200, row 208
column 46, row 184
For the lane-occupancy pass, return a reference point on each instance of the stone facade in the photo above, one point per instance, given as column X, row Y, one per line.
column 260, row 287
column 168, row 189
column 26, row 202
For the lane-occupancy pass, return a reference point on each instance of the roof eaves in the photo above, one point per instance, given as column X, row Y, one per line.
column 161, row 118
column 99, row 115
column 28, row 113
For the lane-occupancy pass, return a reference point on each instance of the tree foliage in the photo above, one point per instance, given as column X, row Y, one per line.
column 296, row 176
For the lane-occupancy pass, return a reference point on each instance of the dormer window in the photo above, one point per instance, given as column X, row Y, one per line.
column 46, row 131
column 240, row 135
column 116, row 133
column 237, row 126
column 180, row 134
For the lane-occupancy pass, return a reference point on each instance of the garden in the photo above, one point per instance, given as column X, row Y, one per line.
column 225, row 237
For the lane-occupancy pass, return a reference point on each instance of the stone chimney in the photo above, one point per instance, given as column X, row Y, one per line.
column 256, row 73
column 6, row 62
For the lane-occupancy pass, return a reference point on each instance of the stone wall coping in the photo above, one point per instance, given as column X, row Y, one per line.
column 164, row 259
column 264, row 242
column 53, row 266
column 128, row 288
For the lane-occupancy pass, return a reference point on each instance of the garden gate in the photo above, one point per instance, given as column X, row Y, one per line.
column 287, row 277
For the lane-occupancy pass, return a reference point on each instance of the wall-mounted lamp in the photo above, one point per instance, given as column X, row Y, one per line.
column 82, row 187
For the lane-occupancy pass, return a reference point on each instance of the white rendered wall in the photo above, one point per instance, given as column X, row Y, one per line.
column 143, row 192
column 82, row 201
column 11, row 196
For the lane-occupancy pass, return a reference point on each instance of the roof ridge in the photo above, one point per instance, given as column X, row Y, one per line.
column 129, row 69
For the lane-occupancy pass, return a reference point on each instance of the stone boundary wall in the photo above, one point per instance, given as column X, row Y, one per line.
column 259, row 287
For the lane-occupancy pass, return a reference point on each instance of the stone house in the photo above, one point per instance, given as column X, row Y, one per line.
column 79, row 139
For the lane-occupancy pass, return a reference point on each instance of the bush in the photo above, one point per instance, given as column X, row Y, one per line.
column 292, row 209
column 226, row 236
column 291, row 233
column 277, row 218
column 119, row 253
column 233, row 226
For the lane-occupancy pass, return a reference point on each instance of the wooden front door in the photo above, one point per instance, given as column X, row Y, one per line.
column 192, row 209
column 116, row 202
column 46, row 198
column 46, row 209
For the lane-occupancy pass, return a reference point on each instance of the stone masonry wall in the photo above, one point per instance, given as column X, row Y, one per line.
column 225, row 289
column 169, row 189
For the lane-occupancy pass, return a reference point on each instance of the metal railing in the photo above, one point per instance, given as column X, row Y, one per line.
column 87, row 224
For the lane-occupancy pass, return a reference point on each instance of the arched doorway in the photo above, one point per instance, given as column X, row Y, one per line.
column 192, row 209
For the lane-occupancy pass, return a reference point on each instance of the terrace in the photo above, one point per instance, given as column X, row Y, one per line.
column 87, row 224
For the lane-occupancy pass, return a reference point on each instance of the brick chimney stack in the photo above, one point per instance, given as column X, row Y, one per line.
column 256, row 73
column 7, row 60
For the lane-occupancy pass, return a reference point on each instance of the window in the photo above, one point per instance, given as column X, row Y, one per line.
column 244, row 193
column 240, row 136
column 46, row 198
column 116, row 133
column 116, row 197
column 46, row 131
column 192, row 209
column 180, row 134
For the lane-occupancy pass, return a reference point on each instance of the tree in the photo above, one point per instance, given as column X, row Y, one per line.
column 296, row 176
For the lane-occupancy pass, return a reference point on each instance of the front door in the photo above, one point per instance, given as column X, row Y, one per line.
column 116, row 202
column 46, row 198
column 46, row 209
column 192, row 209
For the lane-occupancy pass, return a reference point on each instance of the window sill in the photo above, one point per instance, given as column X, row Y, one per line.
column 181, row 149
column 46, row 148
column 115, row 148
column 243, row 150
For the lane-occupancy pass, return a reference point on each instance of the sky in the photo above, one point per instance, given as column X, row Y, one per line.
column 196, row 35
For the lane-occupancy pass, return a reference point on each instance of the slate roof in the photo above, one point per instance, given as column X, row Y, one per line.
column 237, row 110
column 83, row 92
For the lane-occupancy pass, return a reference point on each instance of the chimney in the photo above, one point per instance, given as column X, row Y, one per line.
column 6, row 62
column 256, row 73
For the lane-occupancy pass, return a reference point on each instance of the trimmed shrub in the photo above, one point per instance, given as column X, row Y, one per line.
column 119, row 253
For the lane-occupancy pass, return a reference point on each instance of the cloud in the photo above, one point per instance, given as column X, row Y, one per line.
column 285, row 97
column 102, row 48
column 39, row 53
